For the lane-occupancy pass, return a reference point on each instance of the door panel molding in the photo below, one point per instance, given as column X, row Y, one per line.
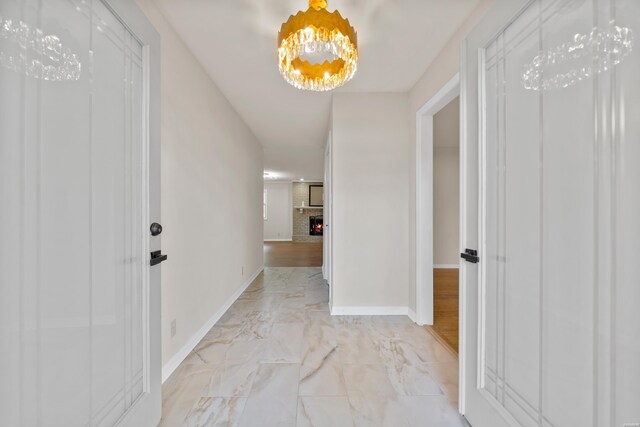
column 148, row 409
column 546, row 334
column 472, row 402
column 79, row 174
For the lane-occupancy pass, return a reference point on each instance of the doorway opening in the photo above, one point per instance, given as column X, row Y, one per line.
column 437, row 214
column 293, row 224
column 446, row 222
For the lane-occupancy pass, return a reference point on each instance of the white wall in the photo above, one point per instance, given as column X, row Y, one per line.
column 370, row 200
column 443, row 68
column 211, row 195
column 446, row 185
column 278, row 224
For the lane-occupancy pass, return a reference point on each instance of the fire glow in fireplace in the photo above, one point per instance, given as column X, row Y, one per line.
column 315, row 226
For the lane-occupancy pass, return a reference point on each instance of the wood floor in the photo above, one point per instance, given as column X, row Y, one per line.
column 292, row 254
column 445, row 313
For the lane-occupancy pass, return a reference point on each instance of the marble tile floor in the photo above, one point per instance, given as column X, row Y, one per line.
column 278, row 358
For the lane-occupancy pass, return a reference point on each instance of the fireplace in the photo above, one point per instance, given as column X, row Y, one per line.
column 316, row 225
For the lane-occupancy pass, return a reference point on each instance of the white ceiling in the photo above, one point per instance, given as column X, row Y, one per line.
column 293, row 163
column 235, row 41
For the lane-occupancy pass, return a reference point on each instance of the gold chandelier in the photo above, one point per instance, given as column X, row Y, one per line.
column 317, row 49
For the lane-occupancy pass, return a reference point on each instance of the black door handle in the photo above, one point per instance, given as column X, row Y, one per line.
column 157, row 258
column 470, row 255
column 155, row 229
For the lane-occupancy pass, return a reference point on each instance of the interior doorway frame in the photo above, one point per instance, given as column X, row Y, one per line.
column 327, row 241
column 424, row 197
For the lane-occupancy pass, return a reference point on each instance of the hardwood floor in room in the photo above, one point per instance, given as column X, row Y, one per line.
column 292, row 254
column 445, row 314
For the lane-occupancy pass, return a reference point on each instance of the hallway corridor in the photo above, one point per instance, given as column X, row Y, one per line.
column 292, row 254
column 277, row 358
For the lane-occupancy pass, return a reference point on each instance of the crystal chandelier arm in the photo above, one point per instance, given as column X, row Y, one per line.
column 63, row 64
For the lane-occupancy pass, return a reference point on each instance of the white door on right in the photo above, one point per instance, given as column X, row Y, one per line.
column 557, row 306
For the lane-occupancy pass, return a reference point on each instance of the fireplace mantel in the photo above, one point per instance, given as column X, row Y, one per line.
column 302, row 208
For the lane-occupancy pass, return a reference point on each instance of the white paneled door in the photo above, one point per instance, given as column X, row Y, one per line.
column 79, row 174
column 552, row 153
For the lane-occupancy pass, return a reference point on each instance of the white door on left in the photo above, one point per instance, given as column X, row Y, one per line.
column 79, row 162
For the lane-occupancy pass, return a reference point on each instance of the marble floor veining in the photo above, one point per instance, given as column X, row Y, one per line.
column 278, row 358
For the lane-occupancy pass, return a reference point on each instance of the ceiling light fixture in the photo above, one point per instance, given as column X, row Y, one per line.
column 317, row 49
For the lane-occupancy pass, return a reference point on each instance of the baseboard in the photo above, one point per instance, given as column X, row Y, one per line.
column 412, row 315
column 369, row 311
column 278, row 240
column 182, row 354
column 441, row 340
column 456, row 266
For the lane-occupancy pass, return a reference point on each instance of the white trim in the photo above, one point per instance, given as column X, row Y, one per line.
column 369, row 311
column 412, row 315
column 278, row 240
column 447, row 266
column 265, row 204
column 146, row 194
column 464, row 217
column 292, row 181
column 481, row 217
column 445, row 95
column 424, row 198
column 327, row 239
column 473, row 402
column 182, row 354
